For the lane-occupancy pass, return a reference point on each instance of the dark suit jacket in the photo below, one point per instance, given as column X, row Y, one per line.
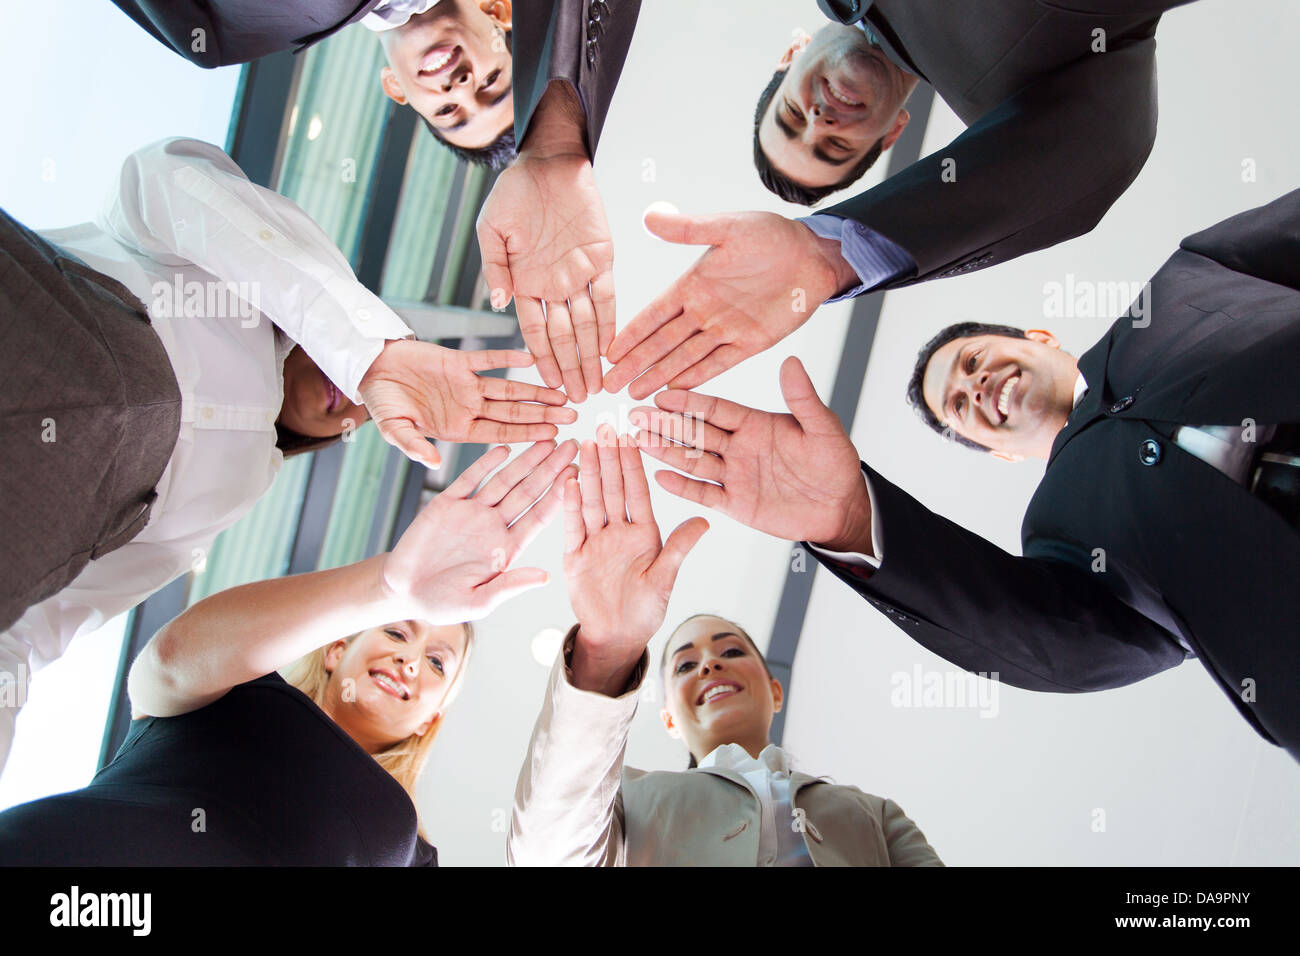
column 1056, row 132
column 236, row 31
column 584, row 43
column 1191, row 557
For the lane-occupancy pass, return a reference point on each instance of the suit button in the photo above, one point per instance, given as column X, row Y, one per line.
column 1122, row 404
column 1149, row 452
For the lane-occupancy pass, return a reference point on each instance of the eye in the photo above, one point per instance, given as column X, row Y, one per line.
column 445, row 111
column 840, row 145
column 792, row 114
column 395, row 634
column 683, row 667
column 733, row 652
column 490, row 79
column 970, row 363
column 435, row 661
column 959, row 405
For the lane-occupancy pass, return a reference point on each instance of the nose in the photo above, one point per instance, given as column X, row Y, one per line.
column 407, row 665
column 458, row 77
column 821, row 114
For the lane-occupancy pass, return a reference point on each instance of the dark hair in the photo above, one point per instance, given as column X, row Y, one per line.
column 495, row 155
column 663, row 658
column 915, row 396
column 292, row 443
column 781, row 184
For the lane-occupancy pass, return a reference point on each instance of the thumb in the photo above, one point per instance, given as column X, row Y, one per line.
column 496, row 268
column 802, row 399
column 511, row 584
column 673, row 226
column 679, row 544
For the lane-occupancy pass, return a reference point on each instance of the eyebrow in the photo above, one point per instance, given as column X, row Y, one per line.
column 690, row 644
column 818, row 152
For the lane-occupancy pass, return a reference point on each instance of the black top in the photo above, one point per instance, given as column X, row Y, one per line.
column 260, row 777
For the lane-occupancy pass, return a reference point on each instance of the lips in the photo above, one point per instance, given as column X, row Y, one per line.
column 840, row 96
column 716, row 691
column 439, row 60
column 332, row 396
column 390, row 684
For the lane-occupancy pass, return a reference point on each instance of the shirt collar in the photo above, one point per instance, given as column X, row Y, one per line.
column 737, row 758
column 392, row 14
column 1080, row 387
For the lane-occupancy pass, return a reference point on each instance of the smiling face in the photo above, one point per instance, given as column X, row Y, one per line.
column 839, row 96
column 389, row 683
column 312, row 404
column 717, row 689
column 452, row 65
column 1010, row 395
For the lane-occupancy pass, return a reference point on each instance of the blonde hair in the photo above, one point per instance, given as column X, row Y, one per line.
column 405, row 759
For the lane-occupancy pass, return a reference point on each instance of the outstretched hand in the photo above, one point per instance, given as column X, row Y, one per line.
column 620, row 573
column 762, row 277
column 418, row 390
column 455, row 562
column 796, row 476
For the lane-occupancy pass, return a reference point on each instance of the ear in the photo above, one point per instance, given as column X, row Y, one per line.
column 895, row 131
column 499, row 10
column 797, row 47
column 334, row 654
column 1003, row 456
column 1043, row 337
column 673, row 730
column 778, row 696
column 392, row 89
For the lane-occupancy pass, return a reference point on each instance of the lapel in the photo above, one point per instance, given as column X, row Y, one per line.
column 844, row 11
column 1093, row 405
column 727, row 774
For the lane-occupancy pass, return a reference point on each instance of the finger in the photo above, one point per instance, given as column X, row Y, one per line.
column 700, row 492
column 611, row 475
column 510, row 584
column 532, row 485
column 484, row 359
column 635, row 487
column 526, row 413
column 679, row 544
column 728, row 416
column 496, row 266
column 666, row 307
column 523, row 531
column 685, row 229
column 713, row 365
column 691, row 351
column 802, row 400
column 641, row 360
column 602, row 300
column 682, row 429
column 505, row 480
column 574, row 533
column 564, row 344
column 400, row 433
column 701, row 464
column 532, row 323
column 593, row 505
column 479, row 469
column 584, row 328
column 507, row 389
column 498, row 433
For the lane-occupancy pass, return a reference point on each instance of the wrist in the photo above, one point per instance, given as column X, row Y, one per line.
column 854, row 535
column 558, row 126
column 603, row 666
column 841, row 275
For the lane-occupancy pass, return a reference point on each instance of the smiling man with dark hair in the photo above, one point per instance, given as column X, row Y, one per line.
column 1167, row 522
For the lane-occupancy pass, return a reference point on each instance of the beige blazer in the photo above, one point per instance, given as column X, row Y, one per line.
column 576, row 804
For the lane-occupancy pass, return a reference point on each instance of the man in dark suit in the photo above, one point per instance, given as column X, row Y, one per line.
column 1167, row 524
column 214, row 33
column 1060, row 104
column 542, row 230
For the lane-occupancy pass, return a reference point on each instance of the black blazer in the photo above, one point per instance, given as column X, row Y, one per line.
column 236, row 31
column 1056, row 132
column 584, row 43
column 1194, row 564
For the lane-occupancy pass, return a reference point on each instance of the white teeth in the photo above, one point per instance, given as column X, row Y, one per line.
column 843, row 99
column 387, row 682
column 1006, row 394
column 435, row 65
column 718, row 691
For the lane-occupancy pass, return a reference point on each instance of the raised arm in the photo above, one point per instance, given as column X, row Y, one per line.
column 568, row 806
column 452, row 564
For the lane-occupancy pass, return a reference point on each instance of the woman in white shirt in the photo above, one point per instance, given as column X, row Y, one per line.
column 231, row 276
column 744, row 804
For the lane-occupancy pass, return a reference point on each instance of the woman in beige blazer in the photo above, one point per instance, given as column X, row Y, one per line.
column 740, row 803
